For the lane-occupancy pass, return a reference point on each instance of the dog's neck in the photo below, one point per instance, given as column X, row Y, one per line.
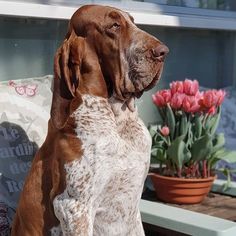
column 122, row 109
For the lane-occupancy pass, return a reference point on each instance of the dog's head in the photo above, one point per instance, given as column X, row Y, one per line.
column 105, row 54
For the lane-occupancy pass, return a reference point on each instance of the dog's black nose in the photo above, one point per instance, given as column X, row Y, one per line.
column 160, row 52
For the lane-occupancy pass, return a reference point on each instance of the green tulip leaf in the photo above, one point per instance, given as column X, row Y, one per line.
column 218, row 142
column 201, row 148
column 158, row 155
column 177, row 151
column 159, row 144
column 177, row 129
column 187, row 155
column 170, row 120
column 190, row 136
column 152, row 129
column 212, row 122
column 215, row 121
column 162, row 114
column 198, row 126
column 228, row 156
column 184, row 124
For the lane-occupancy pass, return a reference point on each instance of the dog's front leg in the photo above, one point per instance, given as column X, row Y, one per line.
column 75, row 218
column 74, row 207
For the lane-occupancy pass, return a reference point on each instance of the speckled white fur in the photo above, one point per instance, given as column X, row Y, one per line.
column 104, row 186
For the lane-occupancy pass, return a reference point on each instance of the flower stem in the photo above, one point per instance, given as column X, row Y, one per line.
column 204, row 168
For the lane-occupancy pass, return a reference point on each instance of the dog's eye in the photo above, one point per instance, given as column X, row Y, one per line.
column 113, row 29
column 115, row 26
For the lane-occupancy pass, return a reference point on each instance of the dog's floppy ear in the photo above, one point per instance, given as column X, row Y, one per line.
column 67, row 63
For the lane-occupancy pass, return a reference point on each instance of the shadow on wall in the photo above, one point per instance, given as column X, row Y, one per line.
column 16, row 154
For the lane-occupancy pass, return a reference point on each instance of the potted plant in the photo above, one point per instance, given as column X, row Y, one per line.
column 185, row 143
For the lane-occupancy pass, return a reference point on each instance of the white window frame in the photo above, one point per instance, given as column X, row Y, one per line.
column 143, row 12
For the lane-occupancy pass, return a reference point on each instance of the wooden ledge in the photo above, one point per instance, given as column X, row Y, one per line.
column 185, row 221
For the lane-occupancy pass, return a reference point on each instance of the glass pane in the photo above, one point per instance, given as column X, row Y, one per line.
column 27, row 46
column 206, row 4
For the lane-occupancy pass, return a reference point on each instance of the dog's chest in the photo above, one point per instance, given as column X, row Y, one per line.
column 113, row 146
column 98, row 126
column 106, row 182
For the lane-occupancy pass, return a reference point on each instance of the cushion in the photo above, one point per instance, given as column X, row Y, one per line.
column 25, row 108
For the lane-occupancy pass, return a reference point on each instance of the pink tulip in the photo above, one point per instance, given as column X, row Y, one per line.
column 165, row 131
column 221, row 95
column 210, row 98
column 190, row 87
column 177, row 100
column 191, row 104
column 199, row 95
column 176, row 87
column 162, row 97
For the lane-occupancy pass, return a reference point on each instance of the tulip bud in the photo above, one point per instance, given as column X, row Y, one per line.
column 210, row 98
column 191, row 104
column 177, row 100
column 161, row 98
column 176, row 87
column 165, row 131
column 221, row 95
column 190, row 87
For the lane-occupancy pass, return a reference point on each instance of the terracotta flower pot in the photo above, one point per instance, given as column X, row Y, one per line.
column 180, row 190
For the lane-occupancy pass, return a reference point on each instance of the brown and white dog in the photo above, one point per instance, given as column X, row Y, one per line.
column 87, row 177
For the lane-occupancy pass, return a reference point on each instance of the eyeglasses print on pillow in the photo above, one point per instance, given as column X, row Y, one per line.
column 24, row 90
